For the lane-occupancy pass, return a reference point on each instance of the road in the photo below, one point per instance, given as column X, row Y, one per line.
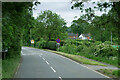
column 38, row 63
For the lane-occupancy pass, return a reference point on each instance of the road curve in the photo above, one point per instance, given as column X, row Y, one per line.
column 38, row 63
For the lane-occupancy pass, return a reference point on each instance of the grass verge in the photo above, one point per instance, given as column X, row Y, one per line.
column 77, row 58
column 110, row 72
column 9, row 66
column 101, row 59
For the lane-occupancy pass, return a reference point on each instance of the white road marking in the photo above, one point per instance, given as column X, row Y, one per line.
column 47, row 62
column 60, row 78
column 43, row 58
column 92, row 70
column 17, row 69
column 85, row 66
column 53, row 69
column 40, row 55
column 16, row 73
column 22, row 53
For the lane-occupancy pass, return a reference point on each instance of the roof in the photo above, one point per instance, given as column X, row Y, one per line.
column 72, row 34
column 85, row 35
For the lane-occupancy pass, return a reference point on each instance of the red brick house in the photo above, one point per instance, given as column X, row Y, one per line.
column 72, row 36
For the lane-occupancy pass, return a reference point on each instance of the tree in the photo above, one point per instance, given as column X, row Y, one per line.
column 113, row 18
column 49, row 26
column 13, row 25
column 79, row 26
column 106, row 22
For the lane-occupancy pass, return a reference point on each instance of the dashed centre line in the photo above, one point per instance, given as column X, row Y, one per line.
column 85, row 66
column 43, row 58
column 60, row 78
column 50, row 66
column 53, row 69
column 47, row 62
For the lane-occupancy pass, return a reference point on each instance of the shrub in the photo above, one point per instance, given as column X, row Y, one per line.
column 107, row 42
column 50, row 45
column 62, row 42
column 79, row 43
column 41, row 43
column 87, row 43
column 106, row 50
column 98, row 42
column 71, row 49
column 79, row 48
column 116, row 73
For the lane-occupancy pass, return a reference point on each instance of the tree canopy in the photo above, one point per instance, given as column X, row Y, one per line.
column 49, row 26
column 100, row 26
column 16, row 17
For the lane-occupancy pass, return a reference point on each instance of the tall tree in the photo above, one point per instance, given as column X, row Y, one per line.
column 13, row 24
column 49, row 26
column 79, row 26
column 108, row 21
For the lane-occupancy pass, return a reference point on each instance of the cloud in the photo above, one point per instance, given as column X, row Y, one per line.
column 63, row 8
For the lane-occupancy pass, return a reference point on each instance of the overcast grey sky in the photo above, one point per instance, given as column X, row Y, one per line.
column 62, row 8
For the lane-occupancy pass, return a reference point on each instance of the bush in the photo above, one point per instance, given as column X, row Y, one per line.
column 62, row 42
column 98, row 42
column 71, row 49
column 106, row 50
column 107, row 42
column 50, row 45
column 79, row 48
column 41, row 43
column 87, row 43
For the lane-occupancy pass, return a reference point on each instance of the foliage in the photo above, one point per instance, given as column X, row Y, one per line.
column 100, row 27
column 51, row 45
column 78, row 58
column 110, row 72
column 49, row 26
column 71, row 49
column 9, row 66
column 79, row 26
column 41, row 43
column 105, row 50
column 13, row 23
column 94, row 50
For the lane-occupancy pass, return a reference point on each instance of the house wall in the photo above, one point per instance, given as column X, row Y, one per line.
column 72, row 37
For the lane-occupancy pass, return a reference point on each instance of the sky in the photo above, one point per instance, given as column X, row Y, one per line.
column 62, row 8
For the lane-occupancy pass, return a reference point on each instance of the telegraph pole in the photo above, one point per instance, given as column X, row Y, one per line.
column 111, row 38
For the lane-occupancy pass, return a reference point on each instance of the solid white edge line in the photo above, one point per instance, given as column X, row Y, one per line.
column 85, row 67
column 16, row 73
column 17, row 69
column 47, row 62
column 53, row 69
column 60, row 78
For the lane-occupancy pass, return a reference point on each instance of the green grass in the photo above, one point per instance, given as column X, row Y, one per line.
column 9, row 66
column 78, row 58
column 101, row 59
column 110, row 72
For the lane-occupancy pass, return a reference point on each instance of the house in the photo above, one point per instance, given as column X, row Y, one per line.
column 85, row 36
column 72, row 36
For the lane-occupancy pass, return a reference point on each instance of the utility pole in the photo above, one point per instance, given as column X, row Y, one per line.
column 111, row 38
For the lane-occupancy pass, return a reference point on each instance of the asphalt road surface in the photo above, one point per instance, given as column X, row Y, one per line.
column 37, row 63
